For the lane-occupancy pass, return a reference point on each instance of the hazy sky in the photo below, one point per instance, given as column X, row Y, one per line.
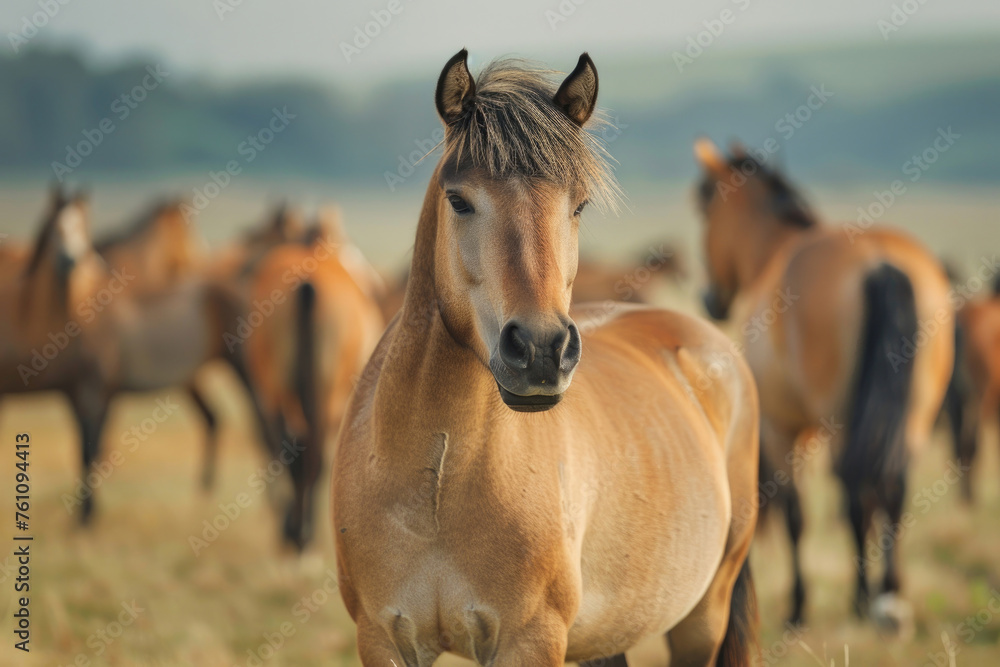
column 306, row 36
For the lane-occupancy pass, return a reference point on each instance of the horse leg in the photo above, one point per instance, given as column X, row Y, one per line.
column 91, row 408
column 777, row 445
column 889, row 609
column 860, row 513
column 211, row 440
column 542, row 643
column 376, row 649
column 305, row 469
column 793, row 520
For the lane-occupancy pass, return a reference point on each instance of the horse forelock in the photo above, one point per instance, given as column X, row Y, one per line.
column 513, row 129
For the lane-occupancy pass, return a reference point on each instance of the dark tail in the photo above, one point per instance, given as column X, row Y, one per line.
column 996, row 285
column 305, row 353
column 306, row 465
column 740, row 642
column 876, row 447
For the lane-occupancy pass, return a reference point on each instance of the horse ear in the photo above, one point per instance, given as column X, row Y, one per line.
column 57, row 196
column 577, row 96
column 737, row 149
column 710, row 157
column 455, row 88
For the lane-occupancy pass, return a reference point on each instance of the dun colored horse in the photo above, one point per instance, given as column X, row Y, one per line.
column 974, row 393
column 316, row 323
column 510, row 490
column 848, row 333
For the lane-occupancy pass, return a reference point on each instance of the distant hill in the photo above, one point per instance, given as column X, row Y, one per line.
column 888, row 103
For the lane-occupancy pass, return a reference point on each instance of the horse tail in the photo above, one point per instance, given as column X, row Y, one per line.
column 740, row 642
column 308, row 459
column 875, row 451
column 305, row 371
column 996, row 285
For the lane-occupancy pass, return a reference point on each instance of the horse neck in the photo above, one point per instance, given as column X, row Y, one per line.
column 762, row 242
column 423, row 355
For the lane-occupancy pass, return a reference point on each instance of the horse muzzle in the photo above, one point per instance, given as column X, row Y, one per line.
column 533, row 365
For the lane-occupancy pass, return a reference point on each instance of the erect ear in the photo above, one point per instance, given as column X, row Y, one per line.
column 737, row 149
column 577, row 96
column 710, row 157
column 455, row 88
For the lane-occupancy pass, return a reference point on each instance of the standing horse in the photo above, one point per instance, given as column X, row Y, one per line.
column 41, row 341
column 159, row 251
column 836, row 326
column 484, row 506
column 316, row 323
column 974, row 392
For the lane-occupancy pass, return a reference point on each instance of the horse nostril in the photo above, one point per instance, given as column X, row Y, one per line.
column 515, row 349
column 570, row 348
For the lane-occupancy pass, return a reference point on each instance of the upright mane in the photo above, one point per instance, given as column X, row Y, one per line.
column 787, row 203
column 136, row 228
column 512, row 128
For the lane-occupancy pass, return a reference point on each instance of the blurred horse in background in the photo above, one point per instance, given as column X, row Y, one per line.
column 635, row 282
column 317, row 322
column 848, row 333
column 974, row 392
column 160, row 250
column 46, row 296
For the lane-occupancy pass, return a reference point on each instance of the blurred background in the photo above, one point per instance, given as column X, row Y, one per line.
column 141, row 100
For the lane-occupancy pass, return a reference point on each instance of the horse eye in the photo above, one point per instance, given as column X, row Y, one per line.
column 460, row 205
column 579, row 209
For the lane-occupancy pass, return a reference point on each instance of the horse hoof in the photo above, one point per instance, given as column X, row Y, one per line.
column 893, row 616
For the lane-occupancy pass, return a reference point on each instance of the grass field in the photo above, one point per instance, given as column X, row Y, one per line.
column 132, row 590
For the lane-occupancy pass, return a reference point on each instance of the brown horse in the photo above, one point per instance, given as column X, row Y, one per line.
column 974, row 392
column 314, row 323
column 158, row 251
column 41, row 340
column 482, row 504
column 847, row 331
column 159, row 248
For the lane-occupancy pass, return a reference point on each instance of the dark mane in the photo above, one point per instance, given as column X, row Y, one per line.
column 45, row 235
column 787, row 203
column 513, row 129
column 134, row 229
